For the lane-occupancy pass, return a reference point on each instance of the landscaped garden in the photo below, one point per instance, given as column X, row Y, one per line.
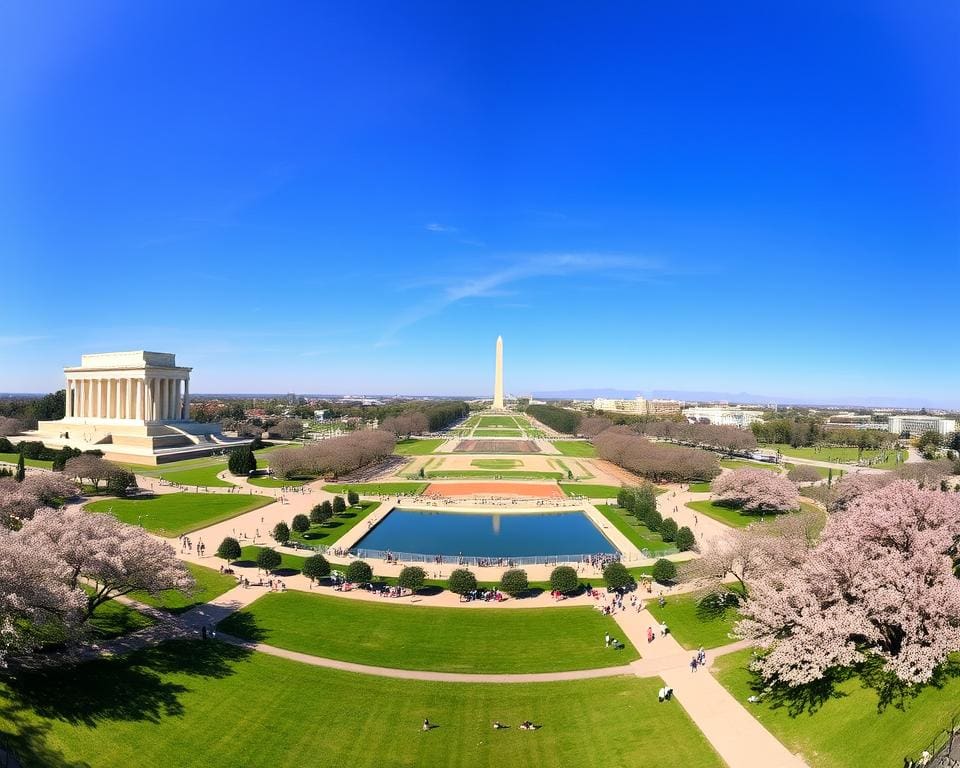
column 881, row 458
column 377, row 489
column 212, row 704
column 579, row 448
column 172, row 514
column 497, row 433
column 693, row 623
column 210, row 584
column 417, row 447
column 13, row 458
column 636, row 532
column 590, row 490
column 442, row 639
column 846, row 727
column 332, row 530
column 739, row 518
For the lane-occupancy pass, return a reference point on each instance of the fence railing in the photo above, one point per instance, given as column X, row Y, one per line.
column 943, row 751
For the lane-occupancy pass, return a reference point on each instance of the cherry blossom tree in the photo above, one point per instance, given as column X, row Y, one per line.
column 592, row 426
column 756, row 490
column 19, row 501
column 657, row 461
column 854, row 485
column 336, row 456
column 88, row 467
column 34, row 596
column 879, row 584
column 112, row 557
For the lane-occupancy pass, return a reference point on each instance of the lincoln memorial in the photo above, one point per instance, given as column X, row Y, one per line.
column 134, row 406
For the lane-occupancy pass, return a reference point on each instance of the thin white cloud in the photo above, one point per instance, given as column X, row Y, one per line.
column 435, row 227
column 493, row 284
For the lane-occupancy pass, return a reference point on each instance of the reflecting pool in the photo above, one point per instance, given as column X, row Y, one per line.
column 485, row 534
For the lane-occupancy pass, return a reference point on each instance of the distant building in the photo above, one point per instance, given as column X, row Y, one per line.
column 918, row 424
column 722, row 416
column 639, row 406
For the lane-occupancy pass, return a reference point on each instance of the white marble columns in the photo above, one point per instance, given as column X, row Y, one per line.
column 140, row 398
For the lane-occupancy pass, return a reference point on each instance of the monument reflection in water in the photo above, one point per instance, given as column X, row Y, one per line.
column 487, row 534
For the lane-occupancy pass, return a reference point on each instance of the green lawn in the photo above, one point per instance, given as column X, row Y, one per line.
column 442, row 639
column 842, row 455
column 735, row 517
column 174, row 513
column 203, row 476
column 210, row 584
column 740, row 464
column 13, row 458
column 590, row 490
column 639, row 535
column 492, row 422
column 197, row 705
column 288, row 563
column 414, row 447
column 699, row 487
column 332, row 530
column 692, row 627
column 496, row 463
column 113, row 619
column 575, row 448
column 497, row 433
column 848, row 730
column 377, row 489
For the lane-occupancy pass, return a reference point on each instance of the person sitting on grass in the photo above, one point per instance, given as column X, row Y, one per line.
column 526, row 725
column 426, row 725
column 497, row 725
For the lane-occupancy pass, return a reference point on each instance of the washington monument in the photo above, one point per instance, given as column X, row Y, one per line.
column 498, row 379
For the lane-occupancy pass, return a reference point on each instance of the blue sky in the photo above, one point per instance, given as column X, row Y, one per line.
column 311, row 197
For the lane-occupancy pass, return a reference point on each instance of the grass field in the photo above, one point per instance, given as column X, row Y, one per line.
column 13, row 458
column 174, row 513
column 377, row 489
column 414, row 447
column 740, row 464
column 198, row 705
column 575, row 448
column 496, row 463
column 332, row 530
column 203, row 476
column 441, row 639
column 497, row 433
column 210, row 584
column 492, row 422
column 848, row 730
column 691, row 627
column 699, row 487
column 841, row 455
column 590, row 490
column 639, row 535
column 735, row 517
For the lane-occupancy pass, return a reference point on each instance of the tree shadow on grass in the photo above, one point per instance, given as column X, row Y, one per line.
column 892, row 691
column 244, row 625
column 799, row 699
column 23, row 741
column 128, row 688
column 285, row 571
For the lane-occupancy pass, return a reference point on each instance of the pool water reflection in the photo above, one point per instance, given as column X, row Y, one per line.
column 484, row 534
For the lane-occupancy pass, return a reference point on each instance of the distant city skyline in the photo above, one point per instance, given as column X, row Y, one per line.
column 759, row 198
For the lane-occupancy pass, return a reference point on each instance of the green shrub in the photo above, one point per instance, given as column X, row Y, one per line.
column 359, row 572
column 119, row 481
column 268, row 559
column 645, row 502
column 321, row 513
column 653, row 520
column 281, row 532
column 514, row 582
column 241, row 461
column 316, row 567
column 668, row 529
column 339, row 506
column 229, row 549
column 462, row 581
column 685, row 539
column 564, row 579
column 616, row 576
column 300, row 523
column 664, row 571
column 412, row 577
column 353, row 498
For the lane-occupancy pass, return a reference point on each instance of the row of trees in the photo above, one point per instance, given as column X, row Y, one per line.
column 559, row 419
column 641, row 502
column 406, row 424
column 336, row 456
column 27, row 411
column 800, row 431
column 655, row 461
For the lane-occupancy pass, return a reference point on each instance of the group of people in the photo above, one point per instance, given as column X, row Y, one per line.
column 612, row 642
column 663, row 630
column 698, row 660
column 526, row 725
column 186, row 545
column 665, row 693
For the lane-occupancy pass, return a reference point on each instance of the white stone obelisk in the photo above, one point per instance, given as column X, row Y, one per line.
column 498, row 379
